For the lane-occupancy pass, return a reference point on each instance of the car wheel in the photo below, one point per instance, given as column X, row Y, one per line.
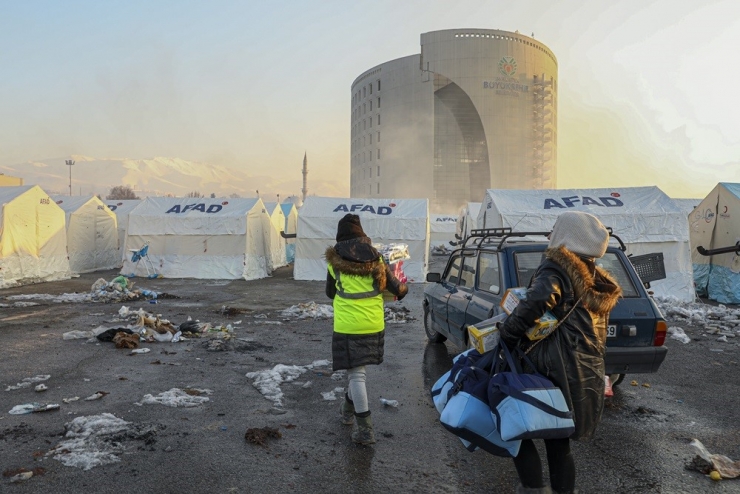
column 616, row 379
column 433, row 336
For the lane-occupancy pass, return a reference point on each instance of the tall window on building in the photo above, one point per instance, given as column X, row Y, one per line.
column 378, row 170
column 378, row 98
column 371, row 88
column 371, row 173
column 378, row 84
column 378, row 153
column 371, row 138
column 378, row 136
column 378, row 118
column 364, row 92
column 364, row 108
column 378, row 184
column 371, row 105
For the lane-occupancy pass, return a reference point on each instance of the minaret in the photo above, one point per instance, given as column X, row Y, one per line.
column 305, row 176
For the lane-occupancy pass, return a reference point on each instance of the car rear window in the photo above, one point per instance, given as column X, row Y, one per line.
column 527, row 263
column 612, row 263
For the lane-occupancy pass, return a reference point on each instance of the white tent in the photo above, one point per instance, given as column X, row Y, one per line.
column 442, row 228
column 385, row 221
column 122, row 208
column 645, row 218
column 467, row 219
column 686, row 205
column 291, row 226
column 277, row 242
column 199, row 238
column 33, row 239
column 92, row 233
column 714, row 224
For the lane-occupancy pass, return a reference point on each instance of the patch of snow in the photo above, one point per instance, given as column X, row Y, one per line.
column 268, row 381
column 309, row 310
column 176, row 397
column 85, row 445
column 677, row 333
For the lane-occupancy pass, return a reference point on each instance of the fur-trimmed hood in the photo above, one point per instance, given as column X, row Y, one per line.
column 599, row 289
column 357, row 258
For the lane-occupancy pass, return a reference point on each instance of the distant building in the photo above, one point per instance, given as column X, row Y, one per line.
column 476, row 109
column 8, row 181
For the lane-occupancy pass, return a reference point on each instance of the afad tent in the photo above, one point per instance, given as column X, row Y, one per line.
column 33, row 239
column 199, row 238
column 291, row 226
column 122, row 208
column 714, row 224
column 645, row 218
column 467, row 219
column 92, row 233
column 385, row 221
column 277, row 242
column 442, row 228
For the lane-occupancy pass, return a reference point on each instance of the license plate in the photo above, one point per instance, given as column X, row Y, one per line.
column 611, row 331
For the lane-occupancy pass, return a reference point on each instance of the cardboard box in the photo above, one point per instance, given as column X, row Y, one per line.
column 484, row 335
column 543, row 326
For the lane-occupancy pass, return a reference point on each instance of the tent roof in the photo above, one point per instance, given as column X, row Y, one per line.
column 638, row 201
column 72, row 203
column 270, row 207
column 336, row 207
column 732, row 187
column 122, row 206
column 287, row 207
column 7, row 194
column 185, row 206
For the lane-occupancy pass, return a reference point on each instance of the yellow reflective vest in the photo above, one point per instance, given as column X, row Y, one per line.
column 358, row 304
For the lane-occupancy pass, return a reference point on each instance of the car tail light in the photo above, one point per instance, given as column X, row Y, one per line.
column 660, row 331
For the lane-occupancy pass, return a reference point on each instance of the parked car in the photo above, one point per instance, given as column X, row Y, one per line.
column 492, row 260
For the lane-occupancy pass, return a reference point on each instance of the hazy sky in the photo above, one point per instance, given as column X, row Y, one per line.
column 647, row 88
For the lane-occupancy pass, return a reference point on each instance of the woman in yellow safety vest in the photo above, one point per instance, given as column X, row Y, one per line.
column 356, row 277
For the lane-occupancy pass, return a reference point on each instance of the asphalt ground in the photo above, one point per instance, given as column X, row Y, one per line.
column 642, row 444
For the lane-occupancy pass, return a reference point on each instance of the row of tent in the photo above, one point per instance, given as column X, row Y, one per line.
column 46, row 238
column 240, row 238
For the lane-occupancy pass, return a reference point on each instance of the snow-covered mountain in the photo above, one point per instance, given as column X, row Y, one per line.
column 161, row 176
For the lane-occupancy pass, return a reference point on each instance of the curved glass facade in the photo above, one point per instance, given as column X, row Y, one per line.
column 477, row 109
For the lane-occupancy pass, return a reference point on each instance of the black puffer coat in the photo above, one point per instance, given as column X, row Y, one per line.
column 573, row 357
column 358, row 257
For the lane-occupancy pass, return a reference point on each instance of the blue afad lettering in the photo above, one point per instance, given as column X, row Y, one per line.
column 213, row 208
column 572, row 201
column 382, row 210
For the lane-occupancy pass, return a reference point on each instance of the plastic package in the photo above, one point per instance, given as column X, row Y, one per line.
column 389, row 403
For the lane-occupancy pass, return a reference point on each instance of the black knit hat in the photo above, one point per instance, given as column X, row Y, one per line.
column 349, row 227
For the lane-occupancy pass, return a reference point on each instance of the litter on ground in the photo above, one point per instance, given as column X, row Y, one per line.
column 308, row 310
column 706, row 462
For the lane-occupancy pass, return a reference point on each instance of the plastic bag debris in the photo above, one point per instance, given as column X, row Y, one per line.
column 608, row 390
column 33, row 408
column 41, row 387
column 140, row 350
column 70, row 400
column 706, row 462
column 389, row 403
column 96, row 396
column 77, row 335
column 308, row 310
column 21, row 477
column 89, row 441
column 27, row 381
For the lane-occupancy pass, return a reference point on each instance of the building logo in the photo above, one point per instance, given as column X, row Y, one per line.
column 507, row 66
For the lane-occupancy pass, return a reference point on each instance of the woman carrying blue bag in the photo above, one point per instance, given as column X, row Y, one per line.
column 570, row 285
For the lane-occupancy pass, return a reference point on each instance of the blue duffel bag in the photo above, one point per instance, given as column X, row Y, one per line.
column 528, row 406
column 467, row 413
column 441, row 389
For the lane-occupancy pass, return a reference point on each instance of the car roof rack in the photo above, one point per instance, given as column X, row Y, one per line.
column 481, row 235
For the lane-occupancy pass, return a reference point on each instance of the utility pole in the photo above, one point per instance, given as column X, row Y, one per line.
column 69, row 164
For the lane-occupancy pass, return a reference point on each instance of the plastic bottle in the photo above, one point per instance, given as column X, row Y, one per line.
column 389, row 403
